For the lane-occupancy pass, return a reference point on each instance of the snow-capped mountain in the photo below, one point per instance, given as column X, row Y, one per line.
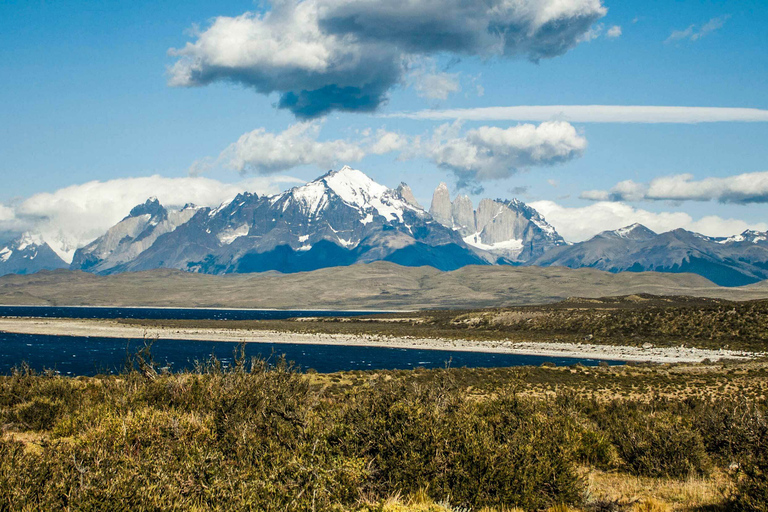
column 344, row 217
column 505, row 231
column 341, row 218
column 28, row 254
column 748, row 236
column 131, row 236
column 731, row 261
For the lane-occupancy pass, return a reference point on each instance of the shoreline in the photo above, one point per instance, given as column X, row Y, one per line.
column 203, row 308
column 111, row 329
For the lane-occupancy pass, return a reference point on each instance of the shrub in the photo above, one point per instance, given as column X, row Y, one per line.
column 655, row 443
column 38, row 414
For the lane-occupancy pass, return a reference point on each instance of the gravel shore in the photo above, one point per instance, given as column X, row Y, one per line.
column 112, row 329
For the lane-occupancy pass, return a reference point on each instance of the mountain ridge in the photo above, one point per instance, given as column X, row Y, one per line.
column 344, row 217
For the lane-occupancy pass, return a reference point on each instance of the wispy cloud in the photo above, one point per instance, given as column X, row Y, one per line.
column 613, row 32
column 739, row 189
column 594, row 114
column 693, row 34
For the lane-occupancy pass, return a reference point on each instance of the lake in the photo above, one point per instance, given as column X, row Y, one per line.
column 70, row 355
column 168, row 313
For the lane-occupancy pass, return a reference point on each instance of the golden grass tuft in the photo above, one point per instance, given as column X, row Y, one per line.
column 651, row 505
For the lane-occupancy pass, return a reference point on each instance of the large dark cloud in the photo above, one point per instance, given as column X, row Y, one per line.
column 325, row 55
column 535, row 28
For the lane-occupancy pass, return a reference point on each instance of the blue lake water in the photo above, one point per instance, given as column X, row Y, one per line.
column 70, row 355
column 167, row 313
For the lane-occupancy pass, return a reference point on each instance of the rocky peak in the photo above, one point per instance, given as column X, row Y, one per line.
column 441, row 208
column 508, row 229
column 151, row 207
column 407, row 194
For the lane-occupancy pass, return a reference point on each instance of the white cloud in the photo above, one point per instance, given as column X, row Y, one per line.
column 325, row 55
column 74, row 216
column 6, row 213
column 594, row 114
column 388, row 142
column 579, row 224
column 488, row 153
column 739, row 189
column 263, row 152
column 692, row 34
column 266, row 153
column 592, row 34
column 613, row 32
column 434, row 85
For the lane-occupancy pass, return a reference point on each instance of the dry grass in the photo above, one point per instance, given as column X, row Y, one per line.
column 658, row 494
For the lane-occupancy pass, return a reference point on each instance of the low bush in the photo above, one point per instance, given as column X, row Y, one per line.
column 655, row 443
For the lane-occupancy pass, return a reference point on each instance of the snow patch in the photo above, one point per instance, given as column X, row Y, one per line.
column 512, row 246
column 229, row 235
column 345, row 243
column 303, row 238
column 5, row 254
column 28, row 239
column 313, row 196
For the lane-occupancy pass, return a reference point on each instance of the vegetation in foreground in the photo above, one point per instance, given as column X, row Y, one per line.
column 265, row 437
column 632, row 320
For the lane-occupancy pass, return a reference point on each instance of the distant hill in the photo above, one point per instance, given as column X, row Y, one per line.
column 379, row 285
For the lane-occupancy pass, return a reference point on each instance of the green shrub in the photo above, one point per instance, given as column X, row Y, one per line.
column 40, row 413
column 655, row 443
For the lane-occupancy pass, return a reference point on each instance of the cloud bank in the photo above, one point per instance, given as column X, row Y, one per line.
column 740, row 189
column 473, row 156
column 579, row 224
column 594, row 114
column 326, row 55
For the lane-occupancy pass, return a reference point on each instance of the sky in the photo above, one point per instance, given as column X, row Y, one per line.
column 107, row 103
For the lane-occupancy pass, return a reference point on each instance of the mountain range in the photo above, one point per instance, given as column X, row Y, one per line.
column 344, row 217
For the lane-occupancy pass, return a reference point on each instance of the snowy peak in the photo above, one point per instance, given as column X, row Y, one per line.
column 749, row 236
column 27, row 254
column 632, row 232
column 355, row 189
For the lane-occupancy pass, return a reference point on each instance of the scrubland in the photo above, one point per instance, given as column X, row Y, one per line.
column 262, row 436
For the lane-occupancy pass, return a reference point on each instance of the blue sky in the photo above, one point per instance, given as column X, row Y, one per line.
column 85, row 95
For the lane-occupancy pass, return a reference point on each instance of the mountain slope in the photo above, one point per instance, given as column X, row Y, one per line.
column 734, row 261
column 27, row 255
column 131, row 236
